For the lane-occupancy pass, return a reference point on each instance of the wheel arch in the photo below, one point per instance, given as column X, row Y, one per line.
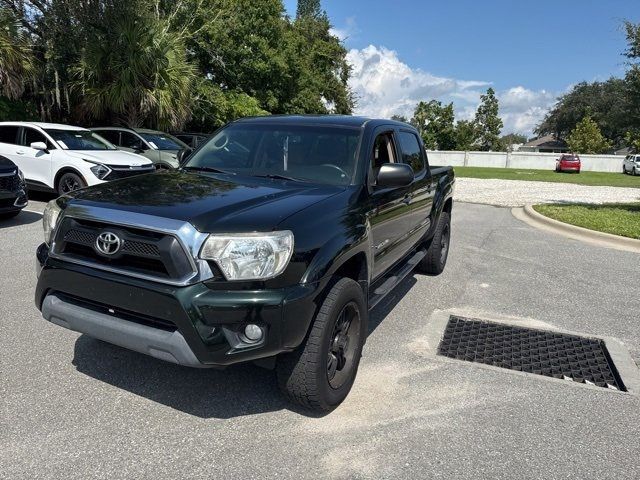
column 64, row 170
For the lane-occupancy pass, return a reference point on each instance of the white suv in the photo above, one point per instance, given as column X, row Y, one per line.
column 631, row 164
column 64, row 158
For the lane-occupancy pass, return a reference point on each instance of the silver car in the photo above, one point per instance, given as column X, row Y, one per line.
column 159, row 147
column 631, row 164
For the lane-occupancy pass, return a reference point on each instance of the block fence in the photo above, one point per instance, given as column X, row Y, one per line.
column 542, row 161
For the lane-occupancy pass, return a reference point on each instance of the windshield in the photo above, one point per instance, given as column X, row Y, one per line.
column 306, row 153
column 79, row 140
column 162, row 141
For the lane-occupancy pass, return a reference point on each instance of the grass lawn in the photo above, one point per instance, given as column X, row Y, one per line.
column 616, row 218
column 582, row 178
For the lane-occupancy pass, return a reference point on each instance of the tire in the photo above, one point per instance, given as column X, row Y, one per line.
column 320, row 373
column 634, row 171
column 436, row 258
column 624, row 169
column 8, row 215
column 70, row 182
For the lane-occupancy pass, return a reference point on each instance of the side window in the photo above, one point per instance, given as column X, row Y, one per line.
column 9, row 134
column 129, row 140
column 411, row 152
column 110, row 135
column 32, row 135
column 383, row 152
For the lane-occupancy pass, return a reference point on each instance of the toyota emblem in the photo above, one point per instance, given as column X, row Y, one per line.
column 108, row 243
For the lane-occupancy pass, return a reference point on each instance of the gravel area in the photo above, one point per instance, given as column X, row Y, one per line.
column 515, row 193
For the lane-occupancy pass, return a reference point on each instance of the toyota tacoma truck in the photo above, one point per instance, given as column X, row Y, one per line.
column 270, row 244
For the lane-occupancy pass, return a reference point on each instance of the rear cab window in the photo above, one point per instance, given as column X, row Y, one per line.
column 411, row 152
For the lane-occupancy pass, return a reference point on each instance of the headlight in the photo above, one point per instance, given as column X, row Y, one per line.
column 50, row 220
column 100, row 170
column 252, row 256
column 21, row 175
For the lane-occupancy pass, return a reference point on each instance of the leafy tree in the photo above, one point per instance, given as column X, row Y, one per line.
column 17, row 63
column 507, row 141
column 136, row 73
column 309, row 9
column 466, row 135
column 587, row 138
column 488, row 123
column 632, row 77
column 399, row 118
column 435, row 123
column 607, row 103
column 632, row 139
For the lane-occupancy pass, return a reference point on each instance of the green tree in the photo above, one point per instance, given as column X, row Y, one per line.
column 136, row 72
column 466, row 135
column 399, row 118
column 435, row 123
column 587, row 138
column 17, row 63
column 507, row 141
column 632, row 77
column 309, row 9
column 488, row 122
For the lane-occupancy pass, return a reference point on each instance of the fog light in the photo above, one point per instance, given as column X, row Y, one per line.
column 253, row 333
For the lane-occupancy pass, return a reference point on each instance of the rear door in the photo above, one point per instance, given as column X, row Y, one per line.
column 37, row 163
column 423, row 191
column 390, row 210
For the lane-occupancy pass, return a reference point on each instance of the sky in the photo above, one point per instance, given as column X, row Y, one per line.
column 405, row 51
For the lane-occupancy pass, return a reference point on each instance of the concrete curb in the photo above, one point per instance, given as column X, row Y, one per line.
column 533, row 218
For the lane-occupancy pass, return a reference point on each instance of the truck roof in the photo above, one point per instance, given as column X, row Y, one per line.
column 328, row 120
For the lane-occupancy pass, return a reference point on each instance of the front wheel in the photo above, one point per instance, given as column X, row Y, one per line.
column 69, row 182
column 436, row 258
column 320, row 373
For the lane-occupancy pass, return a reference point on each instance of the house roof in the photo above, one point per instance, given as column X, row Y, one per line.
column 547, row 141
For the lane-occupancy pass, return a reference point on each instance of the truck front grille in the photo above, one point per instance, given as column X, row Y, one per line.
column 142, row 253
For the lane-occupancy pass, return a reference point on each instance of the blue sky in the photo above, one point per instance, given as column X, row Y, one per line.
column 530, row 52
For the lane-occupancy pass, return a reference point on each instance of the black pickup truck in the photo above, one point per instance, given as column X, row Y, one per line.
column 270, row 244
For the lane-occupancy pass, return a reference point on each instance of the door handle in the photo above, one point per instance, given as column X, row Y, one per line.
column 20, row 152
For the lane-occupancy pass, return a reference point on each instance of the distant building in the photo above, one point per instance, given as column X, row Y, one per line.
column 547, row 144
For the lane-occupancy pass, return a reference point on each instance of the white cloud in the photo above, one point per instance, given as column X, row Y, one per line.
column 385, row 86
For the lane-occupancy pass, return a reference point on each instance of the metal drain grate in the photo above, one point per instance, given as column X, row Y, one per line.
column 558, row 355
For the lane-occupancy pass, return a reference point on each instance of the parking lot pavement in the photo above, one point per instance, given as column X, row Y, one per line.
column 74, row 407
column 516, row 193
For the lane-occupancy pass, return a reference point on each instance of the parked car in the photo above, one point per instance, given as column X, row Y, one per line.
column 13, row 191
column 191, row 139
column 159, row 147
column 63, row 158
column 271, row 244
column 568, row 163
column 631, row 164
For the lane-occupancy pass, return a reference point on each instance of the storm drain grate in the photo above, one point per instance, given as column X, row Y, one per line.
column 558, row 355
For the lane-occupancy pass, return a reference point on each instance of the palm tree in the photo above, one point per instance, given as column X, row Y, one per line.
column 17, row 63
column 135, row 71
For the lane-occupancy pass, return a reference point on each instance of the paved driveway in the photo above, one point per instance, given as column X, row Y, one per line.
column 73, row 407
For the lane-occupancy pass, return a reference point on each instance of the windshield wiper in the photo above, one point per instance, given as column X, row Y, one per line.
column 208, row 169
column 277, row 176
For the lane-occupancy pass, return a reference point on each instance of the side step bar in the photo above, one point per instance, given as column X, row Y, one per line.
column 394, row 277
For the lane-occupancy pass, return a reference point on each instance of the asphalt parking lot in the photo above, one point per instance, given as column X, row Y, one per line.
column 74, row 407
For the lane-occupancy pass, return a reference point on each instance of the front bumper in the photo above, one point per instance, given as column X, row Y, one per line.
column 192, row 325
column 12, row 201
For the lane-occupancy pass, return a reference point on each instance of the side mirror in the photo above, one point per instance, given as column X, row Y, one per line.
column 183, row 155
column 39, row 146
column 394, row 175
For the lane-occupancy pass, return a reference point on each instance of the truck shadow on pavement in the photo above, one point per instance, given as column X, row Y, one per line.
column 23, row 218
column 207, row 393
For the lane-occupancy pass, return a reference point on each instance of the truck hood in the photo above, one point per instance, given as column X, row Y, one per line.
column 110, row 157
column 213, row 203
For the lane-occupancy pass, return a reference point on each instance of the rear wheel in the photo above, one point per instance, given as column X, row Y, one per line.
column 624, row 169
column 69, row 182
column 436, row 258
column 320, row 374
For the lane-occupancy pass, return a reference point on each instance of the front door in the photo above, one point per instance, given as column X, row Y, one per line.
column 390, row 208
column 35, row 164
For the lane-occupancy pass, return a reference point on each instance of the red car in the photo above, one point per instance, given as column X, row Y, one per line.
column 568, row 163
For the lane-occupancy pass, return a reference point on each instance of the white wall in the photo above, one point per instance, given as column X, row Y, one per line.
column 532, row 160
